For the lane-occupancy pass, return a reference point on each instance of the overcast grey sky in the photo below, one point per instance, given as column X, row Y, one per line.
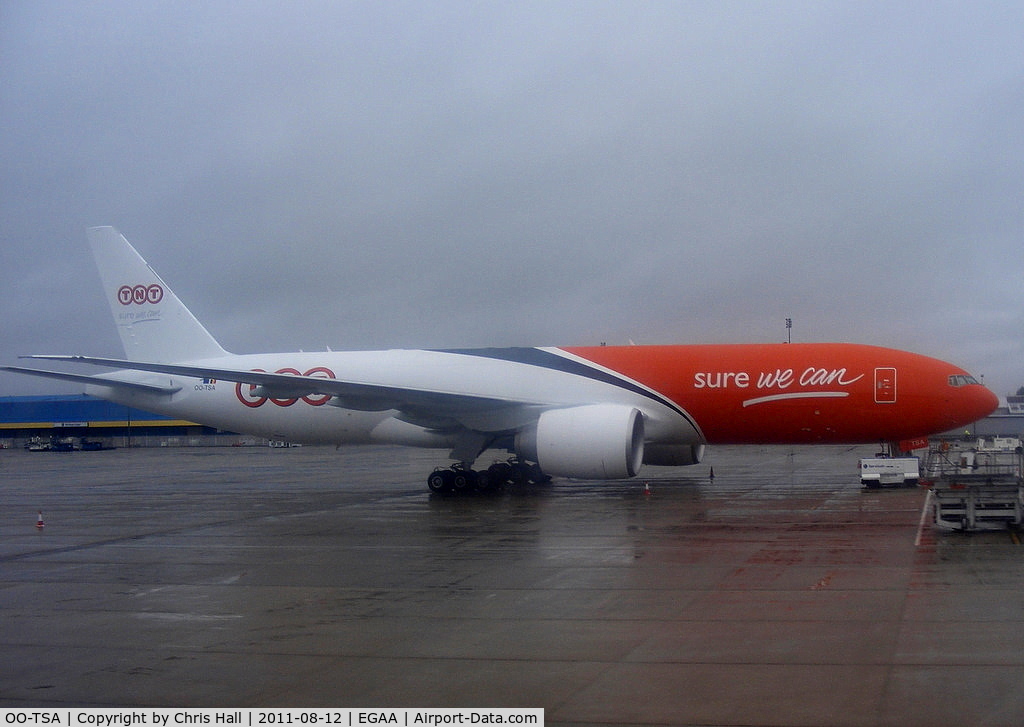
column 412, row 174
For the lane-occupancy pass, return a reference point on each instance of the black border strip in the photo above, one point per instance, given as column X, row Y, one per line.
column 549, row 360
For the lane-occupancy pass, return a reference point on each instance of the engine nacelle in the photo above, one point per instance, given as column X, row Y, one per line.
column 673, row 455
column 596, row 441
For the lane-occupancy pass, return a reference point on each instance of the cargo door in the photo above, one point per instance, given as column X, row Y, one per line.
column 885, row 385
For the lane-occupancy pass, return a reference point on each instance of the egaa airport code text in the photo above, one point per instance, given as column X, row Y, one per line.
column 133, row 717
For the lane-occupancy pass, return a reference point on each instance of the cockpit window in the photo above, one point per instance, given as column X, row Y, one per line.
column 959, row 380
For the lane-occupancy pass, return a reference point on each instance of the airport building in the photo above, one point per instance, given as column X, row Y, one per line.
column 72, row 420
column 1006, row 421
column 42, row 419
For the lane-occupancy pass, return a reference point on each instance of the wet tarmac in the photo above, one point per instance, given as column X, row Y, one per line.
column 780, row 593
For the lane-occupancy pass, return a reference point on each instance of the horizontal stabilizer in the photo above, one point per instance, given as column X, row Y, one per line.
column 94, row 380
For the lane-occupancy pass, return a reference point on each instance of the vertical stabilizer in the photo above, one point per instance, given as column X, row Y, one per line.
column 153, row 324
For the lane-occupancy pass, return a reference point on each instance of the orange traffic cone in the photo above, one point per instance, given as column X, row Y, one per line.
column 39, row 521
column 647, row 488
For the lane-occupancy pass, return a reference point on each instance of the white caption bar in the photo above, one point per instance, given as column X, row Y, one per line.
column 343, row 717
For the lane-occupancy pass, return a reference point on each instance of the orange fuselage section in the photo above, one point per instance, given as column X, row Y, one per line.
column 803, row 393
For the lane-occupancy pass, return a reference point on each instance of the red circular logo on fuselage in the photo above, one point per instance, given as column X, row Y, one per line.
column 244, row 392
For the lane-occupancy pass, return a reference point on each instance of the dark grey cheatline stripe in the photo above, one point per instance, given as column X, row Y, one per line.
column 549, row 360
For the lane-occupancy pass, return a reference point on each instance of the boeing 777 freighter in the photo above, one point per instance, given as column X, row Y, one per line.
column 580, row 412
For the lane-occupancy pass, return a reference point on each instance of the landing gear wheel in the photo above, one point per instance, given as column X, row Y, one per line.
column 499, row 473
column 463, row 481
column 520, row 474
column 440, row 481
column 537, row 475
column 484, row 482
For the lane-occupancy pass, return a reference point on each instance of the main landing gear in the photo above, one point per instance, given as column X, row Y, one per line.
column 461, row 479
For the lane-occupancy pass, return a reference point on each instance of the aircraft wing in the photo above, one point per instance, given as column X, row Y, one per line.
column 425, row 407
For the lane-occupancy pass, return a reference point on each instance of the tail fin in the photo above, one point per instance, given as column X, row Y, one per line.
column 153, row 324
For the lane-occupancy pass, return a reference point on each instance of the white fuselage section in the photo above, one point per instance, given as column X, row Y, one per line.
column 319, row 419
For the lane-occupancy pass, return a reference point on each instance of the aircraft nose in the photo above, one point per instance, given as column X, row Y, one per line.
column 991, row 401
column 976, row 402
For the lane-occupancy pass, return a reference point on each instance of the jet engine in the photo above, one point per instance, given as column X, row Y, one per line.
column 596, row 441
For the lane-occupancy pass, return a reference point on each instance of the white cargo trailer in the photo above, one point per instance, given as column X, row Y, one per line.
column 881, row 470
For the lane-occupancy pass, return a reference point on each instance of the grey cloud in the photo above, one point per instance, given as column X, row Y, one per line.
column 402, row 174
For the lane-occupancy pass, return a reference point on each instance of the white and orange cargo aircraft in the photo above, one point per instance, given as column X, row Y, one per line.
column 580, row 412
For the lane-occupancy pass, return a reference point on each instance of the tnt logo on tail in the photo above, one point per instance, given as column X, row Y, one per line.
column 140, row 294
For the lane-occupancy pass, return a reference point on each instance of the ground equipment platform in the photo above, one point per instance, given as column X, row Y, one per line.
column 977, row 485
